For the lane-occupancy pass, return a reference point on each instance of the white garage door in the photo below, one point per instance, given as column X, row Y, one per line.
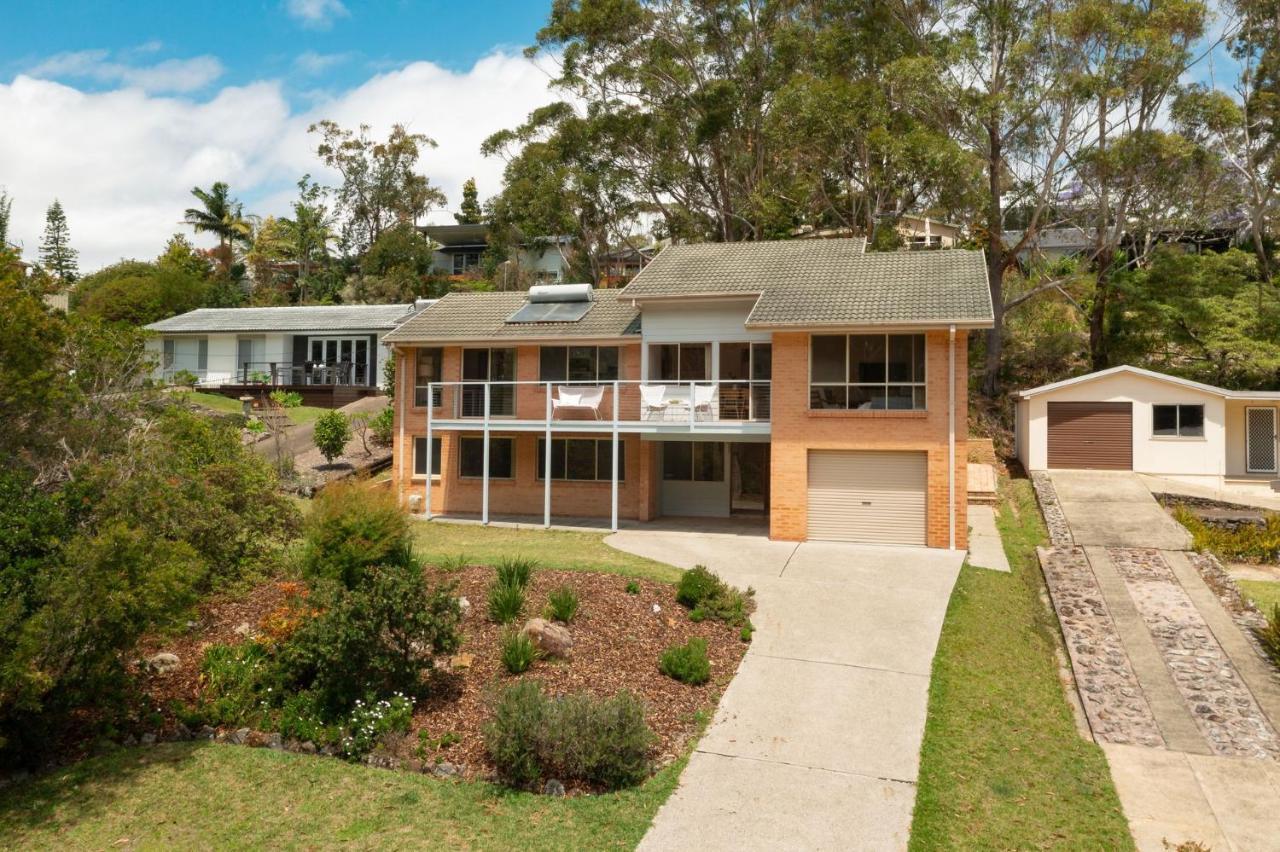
column 867, row 496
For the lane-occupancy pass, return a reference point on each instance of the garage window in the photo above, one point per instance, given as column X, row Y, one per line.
column 1177, row 421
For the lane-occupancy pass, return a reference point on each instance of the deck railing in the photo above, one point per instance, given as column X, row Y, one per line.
column 636, row 402
column 308, row 373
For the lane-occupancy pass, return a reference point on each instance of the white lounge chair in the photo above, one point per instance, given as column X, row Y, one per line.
column 577, row 399
column 706, row 398
column 653, row 401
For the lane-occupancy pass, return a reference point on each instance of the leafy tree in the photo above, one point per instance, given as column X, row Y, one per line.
column 56, row 253
column 313, row 233
column 395, row 267
column 469, row 212
column 221, row 215
column 183, row 257
column 380, row 184
column 138, row 293
column 332, row 432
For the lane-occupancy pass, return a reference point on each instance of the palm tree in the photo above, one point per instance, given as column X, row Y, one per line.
column 223, row 217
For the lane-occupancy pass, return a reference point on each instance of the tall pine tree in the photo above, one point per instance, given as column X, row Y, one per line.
column 469, row 212
column 6, row 205
column 56, row 254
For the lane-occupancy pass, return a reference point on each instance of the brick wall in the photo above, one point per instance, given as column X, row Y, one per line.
column 796, row 430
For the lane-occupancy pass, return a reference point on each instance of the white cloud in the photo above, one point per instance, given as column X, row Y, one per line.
column 313, row 63
column 316, row 14
column 169, row 75
column 123, row 162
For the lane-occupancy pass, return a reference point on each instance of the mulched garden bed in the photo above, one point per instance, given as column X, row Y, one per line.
column 618, row 638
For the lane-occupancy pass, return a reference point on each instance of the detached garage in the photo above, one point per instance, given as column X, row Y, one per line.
column 867, row 496
column 1127, row 418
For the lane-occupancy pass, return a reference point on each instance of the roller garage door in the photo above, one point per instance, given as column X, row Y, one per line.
column 1091, row 435
column 867, row 496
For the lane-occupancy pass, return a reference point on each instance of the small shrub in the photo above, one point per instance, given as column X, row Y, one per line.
column 518, row 652
column 746, row 632
column 453, row 563
column 562, row 604
column 382, row 425
column 633, row 588
column 184, row 379
column 707, row 596
column 687, row 663
column 371, row 721
column 515, row 570
column 351, row 529
column 301, row 718
column 696, row 585
column 1269, row 636
column 241, row 682
column 428, row 744
column 505, row 602
column 1245, row 543
column 332, row 432
column 286, row 399
column 576, row 737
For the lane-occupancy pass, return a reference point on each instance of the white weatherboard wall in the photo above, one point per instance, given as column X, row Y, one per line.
column 1196, row 460
column 700, row 322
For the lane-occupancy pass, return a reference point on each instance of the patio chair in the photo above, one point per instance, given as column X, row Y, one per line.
column 653, row 400
column 578, row 399
column 705, row 399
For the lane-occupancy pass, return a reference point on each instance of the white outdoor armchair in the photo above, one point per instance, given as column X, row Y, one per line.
column 653, row 401
column 706, row 398
column 578, row 399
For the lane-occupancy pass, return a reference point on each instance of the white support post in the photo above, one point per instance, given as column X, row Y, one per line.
column 613, row 494
column 400, row 407
column 426, row 504
column 692, row 406
column 951, row 438
column 644, row 361
column 484, row 490
column 546, row 467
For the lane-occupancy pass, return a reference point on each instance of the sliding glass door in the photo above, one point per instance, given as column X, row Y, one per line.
column 339, row 361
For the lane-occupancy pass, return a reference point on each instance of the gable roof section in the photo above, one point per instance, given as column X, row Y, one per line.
column 830, row 282
column 483, row 316
column 292, row 318
column 1125, row 369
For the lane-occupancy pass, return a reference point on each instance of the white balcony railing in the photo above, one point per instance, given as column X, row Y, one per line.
column 629, row 401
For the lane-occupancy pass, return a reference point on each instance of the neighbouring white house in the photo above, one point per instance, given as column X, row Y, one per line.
column 1127, row 418
column 330, row 353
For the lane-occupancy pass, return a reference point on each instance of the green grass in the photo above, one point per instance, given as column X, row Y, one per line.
column 560, row 549
column 1002, row 765
column 1264, row 593
column 208, row 796
column 226, row 405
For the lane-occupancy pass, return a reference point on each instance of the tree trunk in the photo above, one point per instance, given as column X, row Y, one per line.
column 995, row 264
column 1097, row 319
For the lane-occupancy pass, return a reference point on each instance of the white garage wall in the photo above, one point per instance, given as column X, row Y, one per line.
column 1196, row 460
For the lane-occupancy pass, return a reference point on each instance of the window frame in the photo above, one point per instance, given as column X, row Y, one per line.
column 420, row 390
column 465, row 265
column 1177, row 420
column 694, row 461
column 655, row 360
column 919, row 387
column 568, row 360
column 602, row 446
column 437, row 456
column 465, row 440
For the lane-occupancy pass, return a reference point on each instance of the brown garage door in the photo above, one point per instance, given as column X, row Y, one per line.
column 1091, row 435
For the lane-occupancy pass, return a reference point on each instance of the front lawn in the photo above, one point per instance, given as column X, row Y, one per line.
column 562, row 549
column 1002, row 765
column 210, row 796
column 1264, row 593
column 226, row 405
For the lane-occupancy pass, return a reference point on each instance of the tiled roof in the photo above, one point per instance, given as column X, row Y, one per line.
column 825, row 282
column 483, row 316
column 294, row 318
column 884, row 288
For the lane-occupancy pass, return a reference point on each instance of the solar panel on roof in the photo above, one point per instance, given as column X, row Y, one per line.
column 551, row 312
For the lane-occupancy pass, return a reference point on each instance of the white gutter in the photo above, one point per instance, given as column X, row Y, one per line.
column 401, row 374
column 951, row 437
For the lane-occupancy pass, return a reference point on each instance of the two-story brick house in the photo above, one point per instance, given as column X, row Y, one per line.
column 809, row 384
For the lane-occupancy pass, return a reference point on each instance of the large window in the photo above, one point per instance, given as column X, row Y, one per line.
column 420, row 456
column 867, row 371
column 693, row 461
column 427, row 368
column 465, row 261
column 186, row 353
column 502, row 458
column 580, row 459
column 578, row 363
column 679, row 362
column 744, row 380
column 488, row 365
column 1177, row 421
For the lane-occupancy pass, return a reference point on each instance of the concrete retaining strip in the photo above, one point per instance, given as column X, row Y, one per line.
column 1167, row 704
column 1257, row 675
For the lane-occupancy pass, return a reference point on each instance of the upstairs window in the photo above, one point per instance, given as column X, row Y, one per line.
column 679, row 362
column 867, row 371
column 578, row 363
column 427, row 369
column 1177, row 421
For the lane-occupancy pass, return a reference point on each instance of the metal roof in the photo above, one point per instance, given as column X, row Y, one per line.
column 483, row 316
column 292, row 318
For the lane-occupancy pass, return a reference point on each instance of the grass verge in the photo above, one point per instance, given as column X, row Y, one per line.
column 188, row 795
column 560, row 549
column 226, row 405
column 1264, row 593
column 1002, row 765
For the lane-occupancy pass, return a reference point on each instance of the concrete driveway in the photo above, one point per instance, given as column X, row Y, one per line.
column 1108, row 508
column 816, row 742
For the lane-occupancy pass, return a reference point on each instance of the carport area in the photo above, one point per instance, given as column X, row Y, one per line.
column 816, row 742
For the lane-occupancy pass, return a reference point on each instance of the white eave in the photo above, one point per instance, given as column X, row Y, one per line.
column 1125, row 369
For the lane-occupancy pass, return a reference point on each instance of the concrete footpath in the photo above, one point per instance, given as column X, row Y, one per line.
column 816, row 742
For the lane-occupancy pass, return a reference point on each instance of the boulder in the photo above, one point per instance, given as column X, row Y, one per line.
column 163, row 663
column 553, row 788
column 444, row 770
column 548, row 637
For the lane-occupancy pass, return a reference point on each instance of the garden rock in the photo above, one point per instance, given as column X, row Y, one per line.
column 239, row 736
column 553, row 788
column 163, row 663
column 275, row 741
column 549, row 638
column 243, row 629
column 207, row 732
column 307, row 747
column 148, row 739
column 465, row 606
column 444, row 770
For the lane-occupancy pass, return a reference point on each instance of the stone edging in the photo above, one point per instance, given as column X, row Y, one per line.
column 1054, row 518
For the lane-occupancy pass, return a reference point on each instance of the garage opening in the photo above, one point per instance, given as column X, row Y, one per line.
column 867, row 496
column 1091, row 435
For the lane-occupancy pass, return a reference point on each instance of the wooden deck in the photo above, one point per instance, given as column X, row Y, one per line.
column 320, row 396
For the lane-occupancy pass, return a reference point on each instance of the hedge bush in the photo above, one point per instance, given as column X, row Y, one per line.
column 351, row 529
column 707, row 596
column 332, row 432
column 604, row 742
